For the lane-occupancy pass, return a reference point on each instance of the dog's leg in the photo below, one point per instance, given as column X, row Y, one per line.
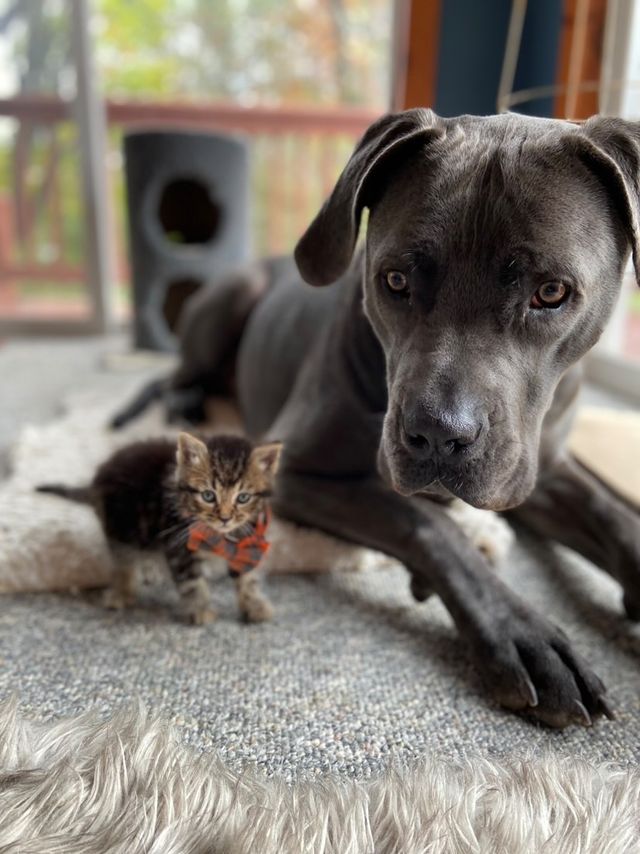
column 186, row 405
column 209, row 332
column 527, row 662
column 576, row 508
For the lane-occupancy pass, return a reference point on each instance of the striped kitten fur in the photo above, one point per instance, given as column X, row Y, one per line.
column 148, row 495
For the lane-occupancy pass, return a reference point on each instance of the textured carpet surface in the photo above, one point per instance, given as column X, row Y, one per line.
column 351, row 675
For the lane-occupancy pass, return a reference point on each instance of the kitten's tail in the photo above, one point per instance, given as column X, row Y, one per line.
column 146, row 396
column 81, row 494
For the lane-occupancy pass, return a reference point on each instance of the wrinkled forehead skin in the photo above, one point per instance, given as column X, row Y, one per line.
column 496, row 188
column 487, row 212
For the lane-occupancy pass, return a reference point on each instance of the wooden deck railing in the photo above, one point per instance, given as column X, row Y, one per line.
column 296, row 155
column 353, row 121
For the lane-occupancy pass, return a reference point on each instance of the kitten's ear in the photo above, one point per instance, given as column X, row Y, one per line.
column 267, row 457
column 191, row 452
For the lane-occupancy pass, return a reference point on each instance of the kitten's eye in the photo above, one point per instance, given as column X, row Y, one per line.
column 208, row 495
column 397, row 282
column 550, row 295
column 243, row 497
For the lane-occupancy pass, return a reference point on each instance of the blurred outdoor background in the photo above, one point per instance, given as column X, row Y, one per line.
column 300, row 80
column 236, row 65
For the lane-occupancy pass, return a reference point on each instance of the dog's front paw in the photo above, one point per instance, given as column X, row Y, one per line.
column 529, row 666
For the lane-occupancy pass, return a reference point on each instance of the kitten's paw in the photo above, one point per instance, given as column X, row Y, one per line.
column 258, row 610
column 117, row 600
column 201, row 616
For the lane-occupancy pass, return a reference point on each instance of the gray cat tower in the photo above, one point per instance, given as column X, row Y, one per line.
column 187, row 201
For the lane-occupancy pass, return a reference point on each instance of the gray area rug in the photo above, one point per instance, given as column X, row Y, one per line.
column 351, row 674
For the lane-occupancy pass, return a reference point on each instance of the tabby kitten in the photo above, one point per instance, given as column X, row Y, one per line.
column 179, row 497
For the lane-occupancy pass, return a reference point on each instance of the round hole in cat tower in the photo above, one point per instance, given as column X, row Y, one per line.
column 177, row 293
column 187, row 213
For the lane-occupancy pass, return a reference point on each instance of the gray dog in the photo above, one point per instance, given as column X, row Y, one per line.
column 443, row 362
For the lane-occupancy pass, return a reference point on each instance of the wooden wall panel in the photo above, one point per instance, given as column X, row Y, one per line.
column 415, row 60
column 580, row 57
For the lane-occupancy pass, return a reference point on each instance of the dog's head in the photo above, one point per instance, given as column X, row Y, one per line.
column 494, row 253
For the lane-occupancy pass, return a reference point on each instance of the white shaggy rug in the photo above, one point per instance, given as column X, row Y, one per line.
column 127, row 786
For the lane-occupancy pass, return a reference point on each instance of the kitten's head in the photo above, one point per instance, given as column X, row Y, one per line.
column 224, row 481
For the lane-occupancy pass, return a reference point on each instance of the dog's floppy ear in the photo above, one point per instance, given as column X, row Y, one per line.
column 612, row 152
column 325, row 250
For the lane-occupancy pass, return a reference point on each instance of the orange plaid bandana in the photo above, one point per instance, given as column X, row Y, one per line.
column 241, row 555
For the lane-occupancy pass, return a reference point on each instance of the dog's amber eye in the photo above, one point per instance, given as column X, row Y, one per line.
column 396, row 281
column 550, row 295
column 208, row 495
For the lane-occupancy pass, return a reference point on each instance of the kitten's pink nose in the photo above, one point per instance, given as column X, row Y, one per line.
column 225, row 519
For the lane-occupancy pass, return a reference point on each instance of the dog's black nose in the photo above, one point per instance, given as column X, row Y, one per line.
column 443, row 434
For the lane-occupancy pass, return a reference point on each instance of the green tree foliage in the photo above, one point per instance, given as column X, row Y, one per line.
column 246, row 51
column 132, row 46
